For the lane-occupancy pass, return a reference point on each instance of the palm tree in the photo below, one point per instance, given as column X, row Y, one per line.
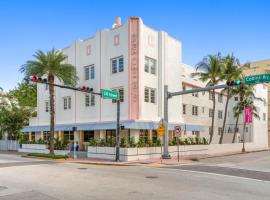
column 51, row 64
column 232, row 71
column 247, row 97
column 211, row 69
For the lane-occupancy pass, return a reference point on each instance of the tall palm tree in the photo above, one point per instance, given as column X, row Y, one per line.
column 232, row 71
column 51, row 64
column 211, row 68
column 247, row 97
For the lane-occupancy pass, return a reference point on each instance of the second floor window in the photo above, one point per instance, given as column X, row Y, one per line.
column 220, row 98
column 47, row 106
column 121, row 93
column 150, row 95
column 195, row 110
column 211, row 95
column 220, row 114
column 117, row 65
column 89, row 72
column 184, row 109
column 150, row 65
column 67, row 103
column 211, row 113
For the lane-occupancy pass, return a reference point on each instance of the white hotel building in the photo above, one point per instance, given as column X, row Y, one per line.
column 138, row 61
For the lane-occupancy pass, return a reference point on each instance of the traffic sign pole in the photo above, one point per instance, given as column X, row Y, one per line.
column 117, row 155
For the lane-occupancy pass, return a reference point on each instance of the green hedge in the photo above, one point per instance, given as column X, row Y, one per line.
column 43, row 155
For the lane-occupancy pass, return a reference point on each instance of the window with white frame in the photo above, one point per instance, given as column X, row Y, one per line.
column 67, row 103
column 184, row 109
column 150, row 65
column 93, row 102
column 87, row 100
column 220, row 114
column 211, row 112
column 219, row 130
column 149, row 95
column 235, row 98
column 195, row 110
column 89, row 72
column 211, row 95
column 47, row 106
column 220, row 98
column 121, row 93
column 117, row 64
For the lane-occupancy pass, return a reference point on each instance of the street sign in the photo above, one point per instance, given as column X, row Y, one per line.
column 109, row 94
column 260, row 78
column 248, row 115
column 177, row 131
column 161, row 130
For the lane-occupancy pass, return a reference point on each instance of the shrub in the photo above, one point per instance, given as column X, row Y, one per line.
column 60, row 145
column 132, row 142
column 101, row 142
column 124, row 143
column 111, row 142
column 141, row 142
column 149, row 143
column 204, row 141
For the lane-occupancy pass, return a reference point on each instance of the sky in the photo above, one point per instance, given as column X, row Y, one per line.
column 204, row 27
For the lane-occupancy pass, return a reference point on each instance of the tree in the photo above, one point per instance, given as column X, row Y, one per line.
column 51, row 64
column 26, row 94
column 231, row 71
column 211, row 69
column 247, row 97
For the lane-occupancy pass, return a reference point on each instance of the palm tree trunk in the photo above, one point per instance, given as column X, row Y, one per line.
column 225, row 117
column 52, row 112
column 213, row 117
column 235, row 128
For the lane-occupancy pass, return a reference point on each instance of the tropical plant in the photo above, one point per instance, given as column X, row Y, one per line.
column 211, row 68
column 124, row 143
column 141, row 142
column 247, row 98
column 93, row 142
column 231, row 71
column 132, row 142
column 51, row 64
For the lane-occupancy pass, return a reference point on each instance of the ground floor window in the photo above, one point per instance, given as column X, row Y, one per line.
column 154, row 136
column 87, row 135
column 46, row 135
column 110, row 134
column 69, row 135
column 144, row 134
column 33, row 136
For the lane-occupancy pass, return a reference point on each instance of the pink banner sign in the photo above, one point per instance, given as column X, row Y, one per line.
column 248, row 115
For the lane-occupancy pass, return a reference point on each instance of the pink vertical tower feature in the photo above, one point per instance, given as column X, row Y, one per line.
column 134, row 29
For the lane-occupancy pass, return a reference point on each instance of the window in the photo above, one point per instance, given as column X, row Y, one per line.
column 46, row 135
column 235, row 98
column 93, row 100
column 211, row 95
column 211, row 113
column 67, row 103
column 184, row 109
column 150, row 65
column 86, row 73
column 220, row 114
column 92, row 72
column 153, row 96
column 196, row 133
column 33, row 136
column 121, row 93
column 87, row 135
column 149, row 95
column 68, row 135
column 219, row 130
column 117, row 65
column 89, row 72
column 87, row 100
column 47, row 106
column 220, row 98
column 264, row 116
column 195, row 110
column 46, row 86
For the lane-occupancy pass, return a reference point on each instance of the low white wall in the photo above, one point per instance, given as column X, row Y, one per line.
column 132, row 154
column 41, row 148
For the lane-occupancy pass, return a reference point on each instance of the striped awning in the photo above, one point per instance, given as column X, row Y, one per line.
column 149, row 125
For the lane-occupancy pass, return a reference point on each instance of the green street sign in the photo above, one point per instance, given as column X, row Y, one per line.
column 109, row 94
column 260, row 78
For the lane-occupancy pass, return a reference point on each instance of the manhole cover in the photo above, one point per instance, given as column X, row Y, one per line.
column 82, row 168
column 151, row 177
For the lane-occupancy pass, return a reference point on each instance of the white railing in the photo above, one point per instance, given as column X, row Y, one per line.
column 9, row 145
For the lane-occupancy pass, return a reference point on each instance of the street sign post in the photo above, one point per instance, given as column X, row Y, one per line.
column 178, row 131
column 109, row 94
column 260, row 78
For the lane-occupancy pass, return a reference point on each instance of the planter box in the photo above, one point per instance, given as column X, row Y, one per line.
column 35, row 146
column 45, row 151
column 62, row 152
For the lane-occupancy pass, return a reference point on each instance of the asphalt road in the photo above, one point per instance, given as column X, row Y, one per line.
column 209, row 179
